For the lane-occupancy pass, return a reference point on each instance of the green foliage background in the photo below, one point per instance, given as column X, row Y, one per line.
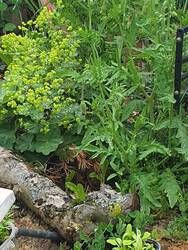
column 100, row 74
column 13, row 12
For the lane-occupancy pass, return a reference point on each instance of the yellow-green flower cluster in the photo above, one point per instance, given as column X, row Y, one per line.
column 33, row 89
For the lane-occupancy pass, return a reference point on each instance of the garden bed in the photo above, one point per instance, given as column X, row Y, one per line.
column 87, row 102
column 25, row 218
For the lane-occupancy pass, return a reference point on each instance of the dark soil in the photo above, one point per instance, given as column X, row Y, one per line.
column 173, row 245
column 23, row 218
column 168, row 243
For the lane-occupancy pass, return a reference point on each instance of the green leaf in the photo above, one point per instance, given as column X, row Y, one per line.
column 112, row 242
column 16, row 1
column 33, row 128
column 149, row 191
column 71, row 186
column 9, row 27
column 66, row 73
column 129, row 231
column 174, row 123
column 47, row 143
column 119, row 241
column 77, row 246
column 78, row 191
column 70, row 176
column 182, row 135
column 24, row 142
column 127, row 242
column 111, row 176
column 130, row 107
column 2, row 92
column 7, row 136
column 81, row 192
column 155, row 148
column 91, row 148
column 170, row 186
column 146, row 236
column 5, row 58
column 3, row 6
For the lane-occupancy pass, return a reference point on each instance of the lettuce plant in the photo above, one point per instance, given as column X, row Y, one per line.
column 131, row 240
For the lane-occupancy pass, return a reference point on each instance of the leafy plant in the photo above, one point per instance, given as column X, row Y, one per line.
column 96, row 69
column 177, row 228
column 78, row 191
column 4, row 229
column 128, row 94
column 131, row 240
column 156, row 191
column 122, row 133
column 171, row 187
column 7, row 10
column 13, row 12
column 105, row 234
column 39, row 97
column 95, row 241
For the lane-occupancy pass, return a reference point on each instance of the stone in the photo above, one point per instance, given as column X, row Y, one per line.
column 7, row 199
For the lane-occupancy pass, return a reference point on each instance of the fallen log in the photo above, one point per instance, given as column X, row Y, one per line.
column 55, row 206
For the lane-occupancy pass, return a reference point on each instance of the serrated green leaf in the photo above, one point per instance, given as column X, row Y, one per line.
column 9, row 27
column 7, row 136
column 149, row 194
column 183, row 152
column 168, row 98
column 47, row 143
column 33, row 128
column 70, row 176
column 182, row 135
column 154, row 148
column 3, row 6
column 167, row 124
column 130, row 107
column 170, row 186
column 24, row 143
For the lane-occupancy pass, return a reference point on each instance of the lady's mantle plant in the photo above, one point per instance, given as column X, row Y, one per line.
column 38, row 96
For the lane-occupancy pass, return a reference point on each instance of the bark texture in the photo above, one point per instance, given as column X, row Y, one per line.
column 55, row 206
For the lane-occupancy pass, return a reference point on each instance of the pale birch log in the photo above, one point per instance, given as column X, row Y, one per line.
column 54, row 205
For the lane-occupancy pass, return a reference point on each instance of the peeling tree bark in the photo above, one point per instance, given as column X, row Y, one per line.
column 54, row 205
